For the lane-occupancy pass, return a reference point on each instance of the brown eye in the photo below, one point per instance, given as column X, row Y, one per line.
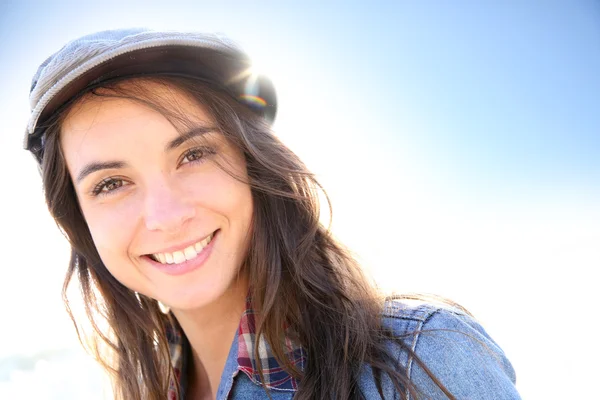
column 197, row 154
column 107, row 185
column 193, row 155
column 112, row 185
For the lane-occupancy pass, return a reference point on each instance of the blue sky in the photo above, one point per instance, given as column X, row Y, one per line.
column 459, row 141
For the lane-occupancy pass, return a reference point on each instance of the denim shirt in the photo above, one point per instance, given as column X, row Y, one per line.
column 456, row 349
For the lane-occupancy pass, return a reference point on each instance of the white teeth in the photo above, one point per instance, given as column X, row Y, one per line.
column 190, row 252
column 178, row 257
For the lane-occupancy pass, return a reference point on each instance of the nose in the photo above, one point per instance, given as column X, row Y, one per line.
column 166, row 208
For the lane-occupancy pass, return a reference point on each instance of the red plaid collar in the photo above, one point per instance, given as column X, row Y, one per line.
column 275, row 376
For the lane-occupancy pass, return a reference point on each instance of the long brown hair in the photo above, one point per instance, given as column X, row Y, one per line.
column 304, row 283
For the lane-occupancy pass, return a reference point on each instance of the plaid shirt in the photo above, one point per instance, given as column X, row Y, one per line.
column 275, row 377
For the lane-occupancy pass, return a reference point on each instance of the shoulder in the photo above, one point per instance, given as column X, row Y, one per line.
column 454, row 347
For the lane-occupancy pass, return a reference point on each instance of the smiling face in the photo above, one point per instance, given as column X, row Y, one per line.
column 166, row 215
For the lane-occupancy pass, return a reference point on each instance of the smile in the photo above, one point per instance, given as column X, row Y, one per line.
column 183, row 255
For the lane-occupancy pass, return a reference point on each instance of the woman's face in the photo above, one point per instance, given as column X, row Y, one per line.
column 167, row 218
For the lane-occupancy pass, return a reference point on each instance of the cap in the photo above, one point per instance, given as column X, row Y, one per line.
column 90, row 60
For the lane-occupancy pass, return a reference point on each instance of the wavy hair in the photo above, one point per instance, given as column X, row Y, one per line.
column 303, row 282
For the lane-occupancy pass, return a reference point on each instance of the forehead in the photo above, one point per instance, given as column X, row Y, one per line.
column 145, row 95
column 136, row 99
column 137, row 113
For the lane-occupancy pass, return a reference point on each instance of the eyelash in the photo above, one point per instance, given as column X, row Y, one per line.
column 99, row 189
column 204, row 152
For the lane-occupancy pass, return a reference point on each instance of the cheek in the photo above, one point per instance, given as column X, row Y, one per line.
column 223, row 195
column 244, row 205
column 112, row 230
column 230, row 201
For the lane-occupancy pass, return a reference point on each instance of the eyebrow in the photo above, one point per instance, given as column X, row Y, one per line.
column 178, row 141
column 98, row 166
column 193, row 133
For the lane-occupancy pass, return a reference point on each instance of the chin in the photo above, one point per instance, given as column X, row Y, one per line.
column 202, row 295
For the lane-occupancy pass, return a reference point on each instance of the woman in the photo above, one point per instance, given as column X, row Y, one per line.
column 196, row 240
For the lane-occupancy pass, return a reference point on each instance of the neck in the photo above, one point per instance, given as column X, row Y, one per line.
column 210, row 331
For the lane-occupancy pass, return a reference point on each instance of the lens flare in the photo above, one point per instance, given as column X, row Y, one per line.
column 253, row 101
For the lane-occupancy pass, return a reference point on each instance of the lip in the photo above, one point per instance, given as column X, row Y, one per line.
column 188, row 265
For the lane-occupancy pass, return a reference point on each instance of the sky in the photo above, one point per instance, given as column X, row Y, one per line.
column 459, row 143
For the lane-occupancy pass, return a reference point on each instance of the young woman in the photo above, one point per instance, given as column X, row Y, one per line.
column 196, row 241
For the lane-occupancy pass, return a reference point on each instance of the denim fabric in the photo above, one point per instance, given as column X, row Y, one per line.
column 451, row 344
column 456, row 349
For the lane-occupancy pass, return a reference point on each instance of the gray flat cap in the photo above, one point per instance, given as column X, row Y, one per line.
column 92, row 59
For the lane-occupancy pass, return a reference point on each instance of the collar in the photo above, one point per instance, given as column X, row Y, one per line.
column 275, row 376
